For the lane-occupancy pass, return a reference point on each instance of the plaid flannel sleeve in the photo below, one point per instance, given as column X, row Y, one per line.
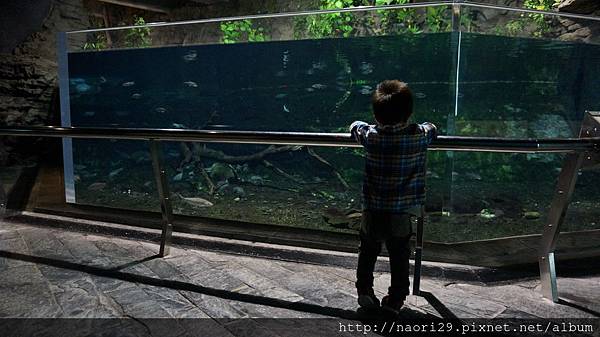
column 359, row 131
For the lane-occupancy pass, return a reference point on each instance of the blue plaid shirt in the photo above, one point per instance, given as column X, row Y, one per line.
column 394, row 179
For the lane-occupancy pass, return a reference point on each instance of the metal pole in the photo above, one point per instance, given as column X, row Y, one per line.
column 556, row 216
column 164, row 195
column 562, row 197
column 418, row 252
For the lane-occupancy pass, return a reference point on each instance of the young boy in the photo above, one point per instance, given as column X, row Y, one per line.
column 393, row 189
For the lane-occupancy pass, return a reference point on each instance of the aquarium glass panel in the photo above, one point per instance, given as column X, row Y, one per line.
column 316, row 73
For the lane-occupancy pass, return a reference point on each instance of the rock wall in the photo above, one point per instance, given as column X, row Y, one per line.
column 580, row 30
column 28, row 72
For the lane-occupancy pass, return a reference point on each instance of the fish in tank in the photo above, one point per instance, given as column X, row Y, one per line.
column 499, row 87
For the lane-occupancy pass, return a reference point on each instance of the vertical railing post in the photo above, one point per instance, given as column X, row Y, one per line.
column 164, row 195
column 567, row 178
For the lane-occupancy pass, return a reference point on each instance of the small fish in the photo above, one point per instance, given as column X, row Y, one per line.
column 114, row 173
column 280, row 96
column 366, row 68
column 160, row 110
column 174, row 154
column 309, row 89
column 318, row 86
column 190, row 56
column 198, row 202
column 190, row 84
column 319, row 65
column 76, row 80
column 179, row 126
column 83, row 87
column 80, row 167
column 102, row 79
column 285, row 108
column 128, row 84
column 96, row 187
column 136, row 96
column 420, row 95
column 122, row 113
column 178, row 176
column 280, row 73
column 89, row 113
column 365, row 91
column 220, row 126
column 473, row 176
column 310, row 72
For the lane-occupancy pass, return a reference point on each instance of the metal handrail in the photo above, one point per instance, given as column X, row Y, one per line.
column 451, row 143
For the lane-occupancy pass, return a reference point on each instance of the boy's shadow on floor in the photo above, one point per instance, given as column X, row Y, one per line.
column 116, row 273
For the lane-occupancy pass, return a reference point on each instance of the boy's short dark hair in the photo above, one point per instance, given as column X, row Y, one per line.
column 392, row 102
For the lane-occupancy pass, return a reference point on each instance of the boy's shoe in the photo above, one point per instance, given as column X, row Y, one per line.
column 367, row 298
column 393, row 304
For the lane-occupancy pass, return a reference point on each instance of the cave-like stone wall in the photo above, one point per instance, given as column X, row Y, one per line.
column 580, row 30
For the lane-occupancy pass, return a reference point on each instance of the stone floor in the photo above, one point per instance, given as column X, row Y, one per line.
column 52, row 273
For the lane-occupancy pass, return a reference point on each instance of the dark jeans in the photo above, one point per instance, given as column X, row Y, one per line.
column 395, row 231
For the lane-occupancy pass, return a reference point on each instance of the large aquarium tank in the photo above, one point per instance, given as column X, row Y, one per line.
column 470, row 75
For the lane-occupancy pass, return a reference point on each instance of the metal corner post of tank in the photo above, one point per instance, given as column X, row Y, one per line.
column 65, row 114
column 573, row 163
column 455, row 47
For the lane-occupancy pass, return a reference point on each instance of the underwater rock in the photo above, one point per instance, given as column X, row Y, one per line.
column 487, row 213
column 239, row 191
column 96, row 187
column 128, row 84
column 220, row 171
column 197, row 202
column 116, row 172
column 532, row 215
column 190, row 84
column 256, row 180
column 342, row 219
